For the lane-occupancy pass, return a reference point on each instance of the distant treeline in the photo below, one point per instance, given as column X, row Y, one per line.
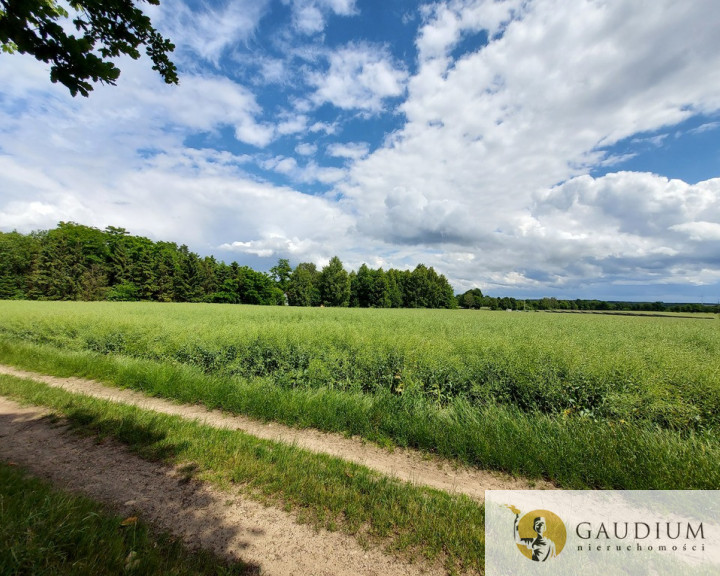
column 475, row 299
column 76, row 262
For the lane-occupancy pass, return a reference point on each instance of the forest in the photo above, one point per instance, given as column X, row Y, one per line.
column 77, row 262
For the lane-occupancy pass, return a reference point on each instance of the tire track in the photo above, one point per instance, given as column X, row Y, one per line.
column 405, row 464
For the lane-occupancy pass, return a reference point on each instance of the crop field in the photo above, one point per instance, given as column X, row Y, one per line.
column 583, row 401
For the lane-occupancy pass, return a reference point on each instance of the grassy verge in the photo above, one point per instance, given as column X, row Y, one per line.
column 47, row 531
column 319, row 489
column 575, row 452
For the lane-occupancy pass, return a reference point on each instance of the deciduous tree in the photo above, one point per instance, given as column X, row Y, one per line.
column 105, row 29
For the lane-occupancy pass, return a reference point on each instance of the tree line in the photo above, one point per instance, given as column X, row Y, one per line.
column 474, row 299
column 76, row 262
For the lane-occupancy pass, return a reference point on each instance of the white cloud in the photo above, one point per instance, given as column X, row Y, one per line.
column 360, row 76
column 306, row 149
column 211, row 30
column 627, row 225
column 309, row 173
column 699, row 231
column 273, row 70
column 446, row 22
column 326, row 127
column 206, row 102
column 652, row 140
column 705, row 127
column 349, row 150
column 293, row 125
column 309, row 16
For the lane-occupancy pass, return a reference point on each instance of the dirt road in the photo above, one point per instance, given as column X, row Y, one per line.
column 224, row 522
column 408, row 465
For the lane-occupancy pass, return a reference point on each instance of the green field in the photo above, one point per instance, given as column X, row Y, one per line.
column 584, row 400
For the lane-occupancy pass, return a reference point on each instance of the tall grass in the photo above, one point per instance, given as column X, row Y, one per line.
column 574, row 451
column 661, row 371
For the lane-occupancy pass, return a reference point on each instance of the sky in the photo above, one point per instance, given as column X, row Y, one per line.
column 530, row 148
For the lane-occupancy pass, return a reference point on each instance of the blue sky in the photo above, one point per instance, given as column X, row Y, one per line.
column 566, row 148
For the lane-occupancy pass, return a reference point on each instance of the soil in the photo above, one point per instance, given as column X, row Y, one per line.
column 228, row 524
column 409, row 465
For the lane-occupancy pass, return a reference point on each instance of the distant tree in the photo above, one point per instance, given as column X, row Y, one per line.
column 118, row 264
column 304, row 285
column 364, row 286
column 394, row 290
column 379, row 296
column 228, row 290
column 106, row 29
column 141, row 256
column 417, row 288
column 354, row 298
column 370, row 288
column 18, row 254
column 70, row 263
column 490, row 302
column 165, row 267
column 257, row 288
column 124, row 292
column 334, row 284
column 467, row 300
column 281, row 272
column 207, row 279
column 473, row 298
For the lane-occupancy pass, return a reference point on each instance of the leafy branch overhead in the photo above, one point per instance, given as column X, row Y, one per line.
column 106, row 29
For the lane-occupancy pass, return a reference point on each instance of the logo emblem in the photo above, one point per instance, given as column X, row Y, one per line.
column 539, row 535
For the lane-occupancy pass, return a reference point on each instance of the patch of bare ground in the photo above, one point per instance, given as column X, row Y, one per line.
column 409, row 465
column 230, row 525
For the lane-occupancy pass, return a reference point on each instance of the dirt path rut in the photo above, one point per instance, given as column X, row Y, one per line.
column 408, row 465
column 226, row 523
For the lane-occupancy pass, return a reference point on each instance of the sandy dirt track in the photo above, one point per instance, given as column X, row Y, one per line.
column 226, row 523
column 408, row 465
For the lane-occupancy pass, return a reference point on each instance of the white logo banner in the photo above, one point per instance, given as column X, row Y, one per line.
column 570, row 532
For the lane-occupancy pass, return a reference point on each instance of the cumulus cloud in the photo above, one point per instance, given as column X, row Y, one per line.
column 701, row 231
column 556, row 84
column 360, row 76
column 293, row 125
column 630, row 222
column 203, row 200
